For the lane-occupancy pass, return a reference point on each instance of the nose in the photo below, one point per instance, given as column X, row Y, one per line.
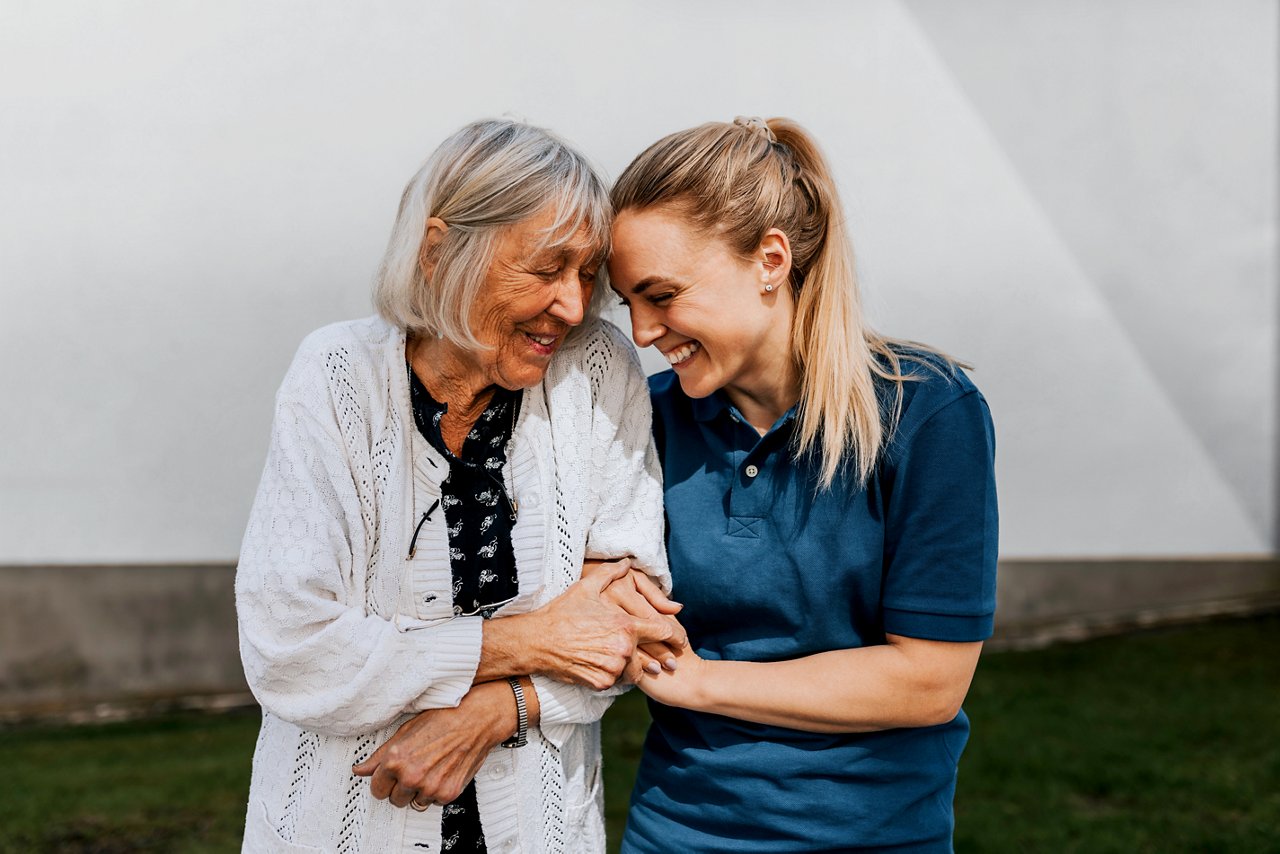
column 645, row 325
column 572, row 296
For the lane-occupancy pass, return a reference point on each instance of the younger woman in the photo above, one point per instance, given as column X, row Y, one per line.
column 831, row 516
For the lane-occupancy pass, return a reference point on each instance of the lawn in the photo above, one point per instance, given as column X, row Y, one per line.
column 1156, row 742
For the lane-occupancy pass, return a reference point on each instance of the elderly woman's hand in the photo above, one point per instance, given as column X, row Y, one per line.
column 434, row 755
column 638, row 595
column 580, row 637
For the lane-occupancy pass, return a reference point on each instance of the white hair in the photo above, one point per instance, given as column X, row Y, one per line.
column 484, row 178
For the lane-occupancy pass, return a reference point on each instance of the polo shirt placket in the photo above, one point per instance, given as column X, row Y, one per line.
column 754, row 466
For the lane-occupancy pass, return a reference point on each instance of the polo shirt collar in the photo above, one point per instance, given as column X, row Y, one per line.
column 708, row 408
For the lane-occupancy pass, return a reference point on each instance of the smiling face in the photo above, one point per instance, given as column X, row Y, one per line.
column 532, row 295
column 704, row 306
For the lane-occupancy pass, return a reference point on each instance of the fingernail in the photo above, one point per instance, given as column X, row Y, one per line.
column 670, row 664
column 652, row 668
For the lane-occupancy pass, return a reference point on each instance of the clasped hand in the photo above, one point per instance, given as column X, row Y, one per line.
column 613, row 621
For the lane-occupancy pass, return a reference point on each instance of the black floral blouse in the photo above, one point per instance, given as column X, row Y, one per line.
column 479, row 515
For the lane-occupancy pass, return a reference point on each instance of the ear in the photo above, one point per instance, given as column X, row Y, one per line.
column 774, row 256
column 436, row 229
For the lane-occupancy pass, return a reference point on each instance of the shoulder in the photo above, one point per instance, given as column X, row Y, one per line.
column 599, row 342
column 665, row 393
column 938, row 403
column 932, row 385
column 339, row 352
column 362, row 338
column 603, row 354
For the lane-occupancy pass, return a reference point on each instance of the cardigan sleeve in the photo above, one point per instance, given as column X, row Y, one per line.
column 627, row 483
column 626, row 476
column 311, row 654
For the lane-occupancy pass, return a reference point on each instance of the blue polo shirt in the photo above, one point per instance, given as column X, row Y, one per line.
column 768, row 569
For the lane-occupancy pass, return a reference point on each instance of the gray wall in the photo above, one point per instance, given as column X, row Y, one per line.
column 1077, row 197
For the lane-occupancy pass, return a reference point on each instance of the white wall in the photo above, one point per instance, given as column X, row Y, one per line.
column 1077, row 197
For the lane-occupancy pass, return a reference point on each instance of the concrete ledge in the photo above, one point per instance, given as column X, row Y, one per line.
column 85, row 637
column 1050, row 600
column 98, row 642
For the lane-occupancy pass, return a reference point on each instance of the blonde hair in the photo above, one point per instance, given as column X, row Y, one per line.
column 735, row 181
column 486, row 177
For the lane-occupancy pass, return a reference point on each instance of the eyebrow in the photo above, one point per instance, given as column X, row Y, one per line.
column 648, row 282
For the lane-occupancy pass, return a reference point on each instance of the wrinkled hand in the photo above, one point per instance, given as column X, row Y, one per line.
column 589, row 638
column 433, row 756
column 638, row 595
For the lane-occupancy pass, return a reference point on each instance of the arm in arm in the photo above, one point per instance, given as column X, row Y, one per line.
column 629, row 515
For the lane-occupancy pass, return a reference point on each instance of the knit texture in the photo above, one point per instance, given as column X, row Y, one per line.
column 343, row 638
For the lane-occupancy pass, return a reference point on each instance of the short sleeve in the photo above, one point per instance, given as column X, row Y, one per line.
column 941, row 526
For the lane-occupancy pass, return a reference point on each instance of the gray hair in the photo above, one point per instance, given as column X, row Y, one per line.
column 484, row 178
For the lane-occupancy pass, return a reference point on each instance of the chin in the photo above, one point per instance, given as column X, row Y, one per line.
column 696, row 387
column 521, row 377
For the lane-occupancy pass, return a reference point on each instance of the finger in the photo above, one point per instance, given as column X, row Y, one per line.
column 646, row 661
column 367, row 767
column 649, row 589
column 648, row 631
column 661, row 653
column 632, row 602
column 679, row 637
column 599, row 579
column 401, row 795
column 382, row 783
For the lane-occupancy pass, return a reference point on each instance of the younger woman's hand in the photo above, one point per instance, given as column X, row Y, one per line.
column 681, row 686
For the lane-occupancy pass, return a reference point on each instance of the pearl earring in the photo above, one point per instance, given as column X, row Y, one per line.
column 768, row 288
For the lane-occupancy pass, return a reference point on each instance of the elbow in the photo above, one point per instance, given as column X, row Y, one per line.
column 341, row 723
column 939, row 705
column 310, row 708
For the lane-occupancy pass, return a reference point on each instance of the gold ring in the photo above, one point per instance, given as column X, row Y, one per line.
column 421, row 807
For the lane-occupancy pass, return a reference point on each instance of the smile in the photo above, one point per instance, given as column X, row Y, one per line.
column 542, row 344
column 682, row 353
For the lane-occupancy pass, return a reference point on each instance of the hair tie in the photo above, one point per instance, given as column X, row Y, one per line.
column 757, row 126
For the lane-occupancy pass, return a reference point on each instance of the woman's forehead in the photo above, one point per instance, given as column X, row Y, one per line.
column 541, row 242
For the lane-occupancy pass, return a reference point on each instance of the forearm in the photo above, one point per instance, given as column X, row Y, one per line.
column 856, row 690
column 510, row 647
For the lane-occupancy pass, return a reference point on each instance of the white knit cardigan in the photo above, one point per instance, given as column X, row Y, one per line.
column 343, row 637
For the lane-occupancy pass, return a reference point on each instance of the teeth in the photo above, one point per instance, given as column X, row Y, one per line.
column 675, row 357
column 544, row 340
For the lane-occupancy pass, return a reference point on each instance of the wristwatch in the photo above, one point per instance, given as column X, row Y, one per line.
column 520, row 739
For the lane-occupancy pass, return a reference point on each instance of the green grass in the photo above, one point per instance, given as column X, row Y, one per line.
column 1156, row 742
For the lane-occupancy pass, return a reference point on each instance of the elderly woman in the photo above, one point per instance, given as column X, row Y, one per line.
column 411, row 614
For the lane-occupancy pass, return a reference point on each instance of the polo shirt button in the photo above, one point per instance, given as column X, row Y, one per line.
column 509, row 845
column 497, row 772
column 752, row 471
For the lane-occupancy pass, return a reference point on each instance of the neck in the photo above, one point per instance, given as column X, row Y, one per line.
column 766, row 399
column 770, row 381
column 450, row 376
